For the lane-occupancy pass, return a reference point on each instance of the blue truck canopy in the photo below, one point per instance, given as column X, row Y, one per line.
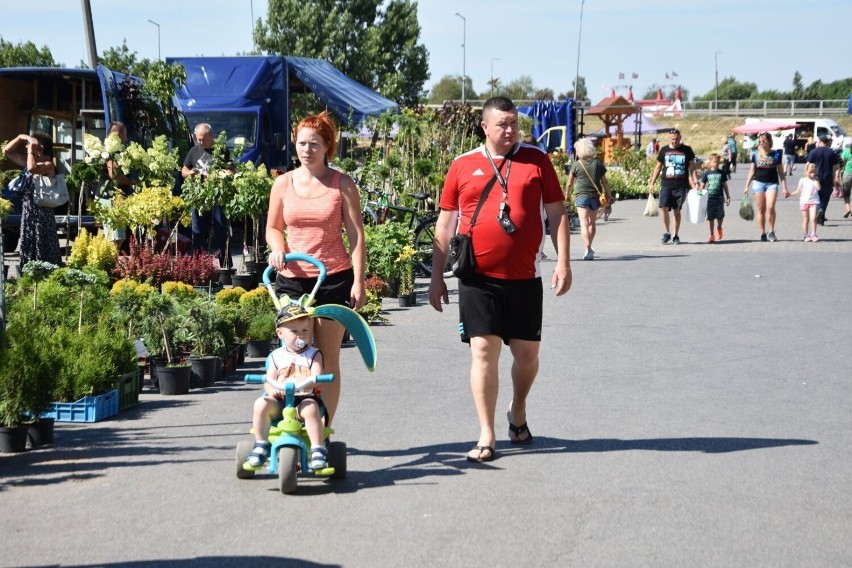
column 238, row 82
column 340, row 94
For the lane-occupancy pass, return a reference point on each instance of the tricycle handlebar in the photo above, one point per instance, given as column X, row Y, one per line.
column 295, row 256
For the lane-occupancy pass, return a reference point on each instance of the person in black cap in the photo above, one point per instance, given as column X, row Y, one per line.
column 678, row 161
column 296, row 357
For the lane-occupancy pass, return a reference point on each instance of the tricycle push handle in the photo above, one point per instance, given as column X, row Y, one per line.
column 291, row 257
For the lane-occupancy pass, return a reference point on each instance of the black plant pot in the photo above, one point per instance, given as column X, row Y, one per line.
column 14, row 439
column 245, row 281
column 225, row 276
column 241, row 353
column 258, row 348
column 393, row 288
column 173, row 380
column 408, row 300
column 40, row 432
column 202, row 371
column 219, row 366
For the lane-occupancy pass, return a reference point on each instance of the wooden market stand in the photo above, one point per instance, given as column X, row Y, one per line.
column 613, row 111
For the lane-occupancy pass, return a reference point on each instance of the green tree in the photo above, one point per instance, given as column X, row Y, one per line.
column 582, row 93
column 372, row 43
column 545, row 94
column 730, row 90
column 25, row 54
column 121, row 59
column 798, row 85
column 449, row 89
column 520, row 89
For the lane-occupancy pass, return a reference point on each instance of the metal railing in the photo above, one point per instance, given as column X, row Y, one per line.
column 743, row 108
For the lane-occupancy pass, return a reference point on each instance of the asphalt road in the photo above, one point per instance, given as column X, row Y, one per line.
column 692, row 409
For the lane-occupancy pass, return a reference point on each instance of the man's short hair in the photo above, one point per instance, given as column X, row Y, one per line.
column 674, row 131
column 824, row 139
column 502, row 104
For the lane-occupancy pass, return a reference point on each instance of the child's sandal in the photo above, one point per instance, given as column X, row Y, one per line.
column 258, row 454
column 319, row 458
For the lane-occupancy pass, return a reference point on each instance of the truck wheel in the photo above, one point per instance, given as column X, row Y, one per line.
column 337, row 459
column 288, row 461
column 243, row 448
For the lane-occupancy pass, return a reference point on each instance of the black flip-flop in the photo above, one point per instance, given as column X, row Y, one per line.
column 491, row 454
column 518, row 431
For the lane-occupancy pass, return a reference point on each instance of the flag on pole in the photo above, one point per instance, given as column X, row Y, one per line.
column 621, row 75
column 668, row 76
column 674, row 74
column 635, row 75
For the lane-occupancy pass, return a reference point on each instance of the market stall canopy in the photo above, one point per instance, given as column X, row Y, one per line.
column 338, row 92
column 630, row 127
column 764, row 126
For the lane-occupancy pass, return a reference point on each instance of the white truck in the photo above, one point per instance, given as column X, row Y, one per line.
column 807, row 128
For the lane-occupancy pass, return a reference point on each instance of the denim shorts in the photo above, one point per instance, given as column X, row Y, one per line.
column 763, row 187
column 588, row 202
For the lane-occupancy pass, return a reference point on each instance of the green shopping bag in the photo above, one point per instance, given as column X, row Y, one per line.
column 747, row 208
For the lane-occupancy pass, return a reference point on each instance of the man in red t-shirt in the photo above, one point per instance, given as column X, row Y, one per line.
column 502, row 301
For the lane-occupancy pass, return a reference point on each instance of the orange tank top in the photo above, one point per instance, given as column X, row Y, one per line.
column 314, row 226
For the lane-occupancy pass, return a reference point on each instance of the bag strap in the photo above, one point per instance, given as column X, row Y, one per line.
column 482, row 198
column 591, row 179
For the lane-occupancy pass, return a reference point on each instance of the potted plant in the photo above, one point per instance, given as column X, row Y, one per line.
column 159, row 325
column 205, row 333
column 260, row 331
column 26, row 379
column 384, row 244
column 249, row 201
column 227, row 304
column 405, row 264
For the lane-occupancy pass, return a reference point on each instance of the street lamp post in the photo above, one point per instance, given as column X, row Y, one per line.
column 464, row 53
column 253, row 44
column 158, row 38
column 716, row 56
column 579, row 37
column 493, row 59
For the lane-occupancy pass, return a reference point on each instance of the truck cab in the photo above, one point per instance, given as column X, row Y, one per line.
column 246, row 97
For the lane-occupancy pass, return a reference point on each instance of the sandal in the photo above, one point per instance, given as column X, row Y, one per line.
column 319, row 458
column 258, row 454
column 519, row 431
column 480, row 459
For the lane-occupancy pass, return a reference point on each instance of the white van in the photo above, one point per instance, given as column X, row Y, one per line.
column 807, row 128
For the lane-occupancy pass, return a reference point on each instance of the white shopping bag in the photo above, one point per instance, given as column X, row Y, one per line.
column 696, row 202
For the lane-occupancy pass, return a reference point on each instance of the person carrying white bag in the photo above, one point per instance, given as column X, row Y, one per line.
column 39, row 240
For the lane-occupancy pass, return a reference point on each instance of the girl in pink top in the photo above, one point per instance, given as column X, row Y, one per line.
column 313, row 204
column 808, row 192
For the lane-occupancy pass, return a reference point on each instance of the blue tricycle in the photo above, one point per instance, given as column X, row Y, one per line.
column 290, row 443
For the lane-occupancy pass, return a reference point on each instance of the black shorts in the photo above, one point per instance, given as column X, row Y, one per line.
column 510, row 309
column 672, row 198
column 335, row 289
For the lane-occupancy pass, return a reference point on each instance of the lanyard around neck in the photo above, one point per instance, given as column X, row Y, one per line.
column 504, row 182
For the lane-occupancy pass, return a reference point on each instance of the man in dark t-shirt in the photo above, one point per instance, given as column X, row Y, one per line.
column 676, row 162
column 789, row 154
column 198, row 162
column 828, row 172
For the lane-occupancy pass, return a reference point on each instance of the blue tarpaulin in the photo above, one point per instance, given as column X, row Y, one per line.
column 338, row 92
column 547, row 114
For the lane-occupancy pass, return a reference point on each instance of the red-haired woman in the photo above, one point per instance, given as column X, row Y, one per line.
column 312, row 204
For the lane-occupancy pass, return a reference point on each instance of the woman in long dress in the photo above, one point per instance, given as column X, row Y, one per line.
column 39, row 240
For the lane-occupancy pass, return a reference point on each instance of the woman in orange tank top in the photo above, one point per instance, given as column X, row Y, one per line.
column 314, row 203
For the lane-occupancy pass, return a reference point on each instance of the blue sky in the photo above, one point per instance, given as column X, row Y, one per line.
column 762, row 41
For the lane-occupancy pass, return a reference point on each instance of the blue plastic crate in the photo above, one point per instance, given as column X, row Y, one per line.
column 87, row 409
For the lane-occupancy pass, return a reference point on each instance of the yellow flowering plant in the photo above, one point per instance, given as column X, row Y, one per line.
column 96, row 252
column 406, row 260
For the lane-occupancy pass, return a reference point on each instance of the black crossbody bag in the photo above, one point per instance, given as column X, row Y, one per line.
column 462, row 259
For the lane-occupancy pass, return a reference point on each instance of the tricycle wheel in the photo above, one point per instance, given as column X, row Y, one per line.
column 288, row 461
column 243, row 449
column 337, row 459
